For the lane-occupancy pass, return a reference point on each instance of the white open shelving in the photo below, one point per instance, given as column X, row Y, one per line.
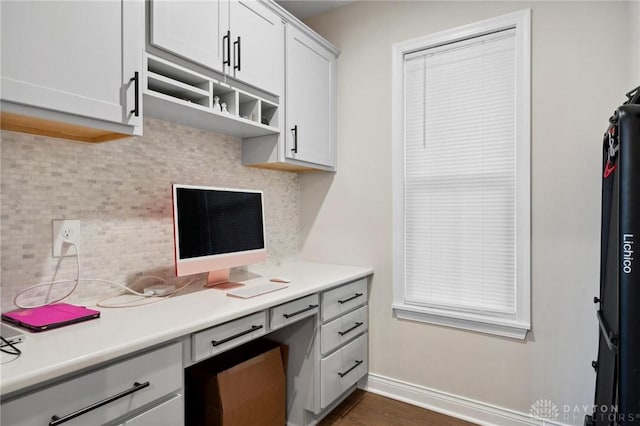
column 175, row 93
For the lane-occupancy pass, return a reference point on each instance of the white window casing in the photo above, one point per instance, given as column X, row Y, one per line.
column 461, row 177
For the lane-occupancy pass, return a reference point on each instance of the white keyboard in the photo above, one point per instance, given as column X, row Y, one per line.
column 249, row 291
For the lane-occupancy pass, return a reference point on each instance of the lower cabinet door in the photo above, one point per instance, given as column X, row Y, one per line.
column 101, row 396
column 169, row 413
column 342, row 369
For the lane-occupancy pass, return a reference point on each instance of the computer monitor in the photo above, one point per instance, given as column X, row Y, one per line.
column 216, row 229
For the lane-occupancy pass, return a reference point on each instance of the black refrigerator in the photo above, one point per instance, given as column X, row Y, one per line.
column 617, row 396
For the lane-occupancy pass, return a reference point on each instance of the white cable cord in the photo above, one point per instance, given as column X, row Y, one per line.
column 52, row 283
column 125, row 289
column 138, row 302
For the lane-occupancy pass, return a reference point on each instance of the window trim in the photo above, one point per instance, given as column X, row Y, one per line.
column 515, row 328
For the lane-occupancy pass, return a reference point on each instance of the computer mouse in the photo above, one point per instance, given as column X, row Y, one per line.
column 280, row 280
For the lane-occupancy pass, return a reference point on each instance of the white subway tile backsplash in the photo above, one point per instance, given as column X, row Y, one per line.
column 121, row 193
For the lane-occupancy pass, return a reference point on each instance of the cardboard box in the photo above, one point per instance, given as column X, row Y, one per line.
column 242, row 387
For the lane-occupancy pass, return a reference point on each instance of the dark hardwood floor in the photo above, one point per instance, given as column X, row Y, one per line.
column 367, row 409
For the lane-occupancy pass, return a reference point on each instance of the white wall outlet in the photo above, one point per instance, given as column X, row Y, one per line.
column 65, row 231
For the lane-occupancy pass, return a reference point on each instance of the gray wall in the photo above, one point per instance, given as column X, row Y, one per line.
column 346, row 218
column 121, row 193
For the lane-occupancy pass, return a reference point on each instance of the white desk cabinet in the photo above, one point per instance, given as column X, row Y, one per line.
column 241, row 38
column 73, row 62
column 111, row 359
column 343, row 339
column 140, row 389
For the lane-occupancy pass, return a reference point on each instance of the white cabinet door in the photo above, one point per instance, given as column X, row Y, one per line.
column 73, row 57
column 310, row 100
column 193, row 29
column 257, row 43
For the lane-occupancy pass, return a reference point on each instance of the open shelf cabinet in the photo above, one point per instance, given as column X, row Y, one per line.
column 177, row 94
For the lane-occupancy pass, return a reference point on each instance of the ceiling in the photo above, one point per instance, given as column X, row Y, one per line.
column 303, row 9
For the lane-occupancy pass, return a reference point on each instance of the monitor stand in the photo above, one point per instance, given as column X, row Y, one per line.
column 220, row 280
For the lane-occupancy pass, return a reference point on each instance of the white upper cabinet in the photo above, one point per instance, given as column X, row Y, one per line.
column 307, row 139
column 195, row 30
column 310, row 101
column 239, row 38
column 74, row 59
column 257, row 43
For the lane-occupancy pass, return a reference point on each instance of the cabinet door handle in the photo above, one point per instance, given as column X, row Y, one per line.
column 295, row 139
column 342, row 333
column 55, row 420
column 235, row 336
column 237, row 56
column 355, row 296
column 228, row 45
column 287, row 316
column 136, row 105
column 351, row 369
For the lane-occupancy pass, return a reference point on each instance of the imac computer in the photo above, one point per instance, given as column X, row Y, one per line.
column 216, row 229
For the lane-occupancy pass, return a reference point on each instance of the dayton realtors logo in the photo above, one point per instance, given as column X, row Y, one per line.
column 543, row 409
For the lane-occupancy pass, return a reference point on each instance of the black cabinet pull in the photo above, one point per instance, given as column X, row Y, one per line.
column 237, row 56
column 235, row 336
column 287, row 316
column 351, row 369
column 56, row 420
column 228, row 45
column 295, row 139
column 136, row 105
column 355, row 296
column 358, row 324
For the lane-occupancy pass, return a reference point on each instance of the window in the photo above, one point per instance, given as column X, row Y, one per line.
column 461, row 171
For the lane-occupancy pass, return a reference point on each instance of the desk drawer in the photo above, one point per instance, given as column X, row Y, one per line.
column 342, row 369
column 215, row 340
column 343, row 299
column 343, row 329
column 169, row 413
column 291, row 312
column 159, row 370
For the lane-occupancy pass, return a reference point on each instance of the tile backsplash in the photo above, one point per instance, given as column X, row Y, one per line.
column 121, row 193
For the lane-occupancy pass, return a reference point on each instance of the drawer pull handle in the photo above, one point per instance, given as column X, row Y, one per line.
column 235, row 336
column 358, row 324
column 355, row 296
column 287, row 316
column 56, row 420
column 351, row 369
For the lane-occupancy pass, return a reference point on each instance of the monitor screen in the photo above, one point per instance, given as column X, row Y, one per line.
column 217, row 228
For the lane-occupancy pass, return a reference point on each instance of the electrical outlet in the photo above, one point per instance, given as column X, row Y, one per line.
column 65, row 231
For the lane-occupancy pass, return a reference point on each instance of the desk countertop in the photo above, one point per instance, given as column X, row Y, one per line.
column 118, row 332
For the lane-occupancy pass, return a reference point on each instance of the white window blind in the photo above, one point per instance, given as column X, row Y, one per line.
column 460, row 175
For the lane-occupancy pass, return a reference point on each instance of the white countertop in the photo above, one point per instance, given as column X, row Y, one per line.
column 118, row 332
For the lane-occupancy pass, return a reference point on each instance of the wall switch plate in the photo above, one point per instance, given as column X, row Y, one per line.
column 65, row 231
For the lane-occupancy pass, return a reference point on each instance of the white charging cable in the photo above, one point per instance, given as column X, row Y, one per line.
column 50, row 284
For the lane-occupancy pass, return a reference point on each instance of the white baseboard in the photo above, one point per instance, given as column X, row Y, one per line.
column 452, row 405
